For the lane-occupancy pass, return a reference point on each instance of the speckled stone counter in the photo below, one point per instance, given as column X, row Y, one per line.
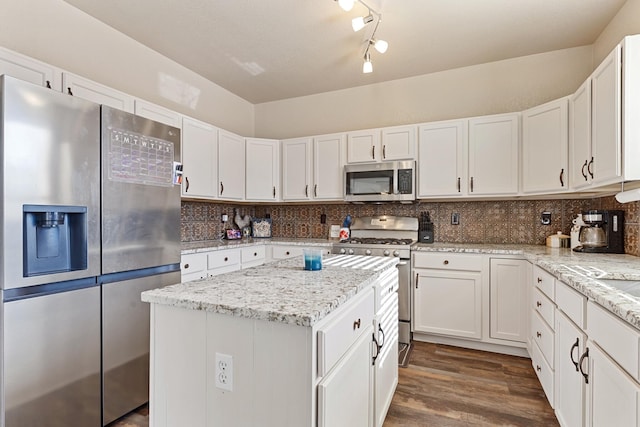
column 212, row 245
column 280, row 291
column 581, row 271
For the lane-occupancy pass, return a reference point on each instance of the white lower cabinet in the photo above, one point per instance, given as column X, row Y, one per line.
column 193, row 267
column 199, row 265
column 508, row 299
column 570, row 392
column 284, row 252
column 613, row 396
column 541, row 330
column 448, row 294
column 345, row 394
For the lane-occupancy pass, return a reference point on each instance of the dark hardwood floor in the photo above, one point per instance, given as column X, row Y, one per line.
column 446, row 386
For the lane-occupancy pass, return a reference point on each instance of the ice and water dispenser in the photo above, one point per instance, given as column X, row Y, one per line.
column 55, row 239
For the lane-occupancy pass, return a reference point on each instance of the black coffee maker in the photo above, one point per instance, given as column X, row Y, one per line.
column 603, row 232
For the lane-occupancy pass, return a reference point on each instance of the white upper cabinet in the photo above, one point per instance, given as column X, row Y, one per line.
column 382, row 145
column 231, row 166
column 263, row 169
column 580, row 136
column 329, row 158
column 494, row 154
column 199, row 159
column 296, row 169
column 605, row 167
column 95, row 92
column 399, row 143
column 157, row 113
column 545, row 148
column 441, row 166
column 30, row 70
column 364, row 146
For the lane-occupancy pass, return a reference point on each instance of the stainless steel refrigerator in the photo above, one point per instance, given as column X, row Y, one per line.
column 90, row 218
column 50, row 257
column 140, row 247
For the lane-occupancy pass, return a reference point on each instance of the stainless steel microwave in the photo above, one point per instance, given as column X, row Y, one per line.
column 380, row 182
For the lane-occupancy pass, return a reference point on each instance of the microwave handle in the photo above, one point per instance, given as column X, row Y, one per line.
column 396, row 173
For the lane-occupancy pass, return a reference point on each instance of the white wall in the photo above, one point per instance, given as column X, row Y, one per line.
column 498, row 87
column 626, row 22
column 59, row 34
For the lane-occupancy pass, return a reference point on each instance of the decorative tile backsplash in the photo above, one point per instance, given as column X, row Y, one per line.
column 513, row 221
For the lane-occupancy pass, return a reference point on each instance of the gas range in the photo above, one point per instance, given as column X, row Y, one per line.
column 380, row 236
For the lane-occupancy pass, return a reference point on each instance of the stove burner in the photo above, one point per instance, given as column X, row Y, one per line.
column 380, row 241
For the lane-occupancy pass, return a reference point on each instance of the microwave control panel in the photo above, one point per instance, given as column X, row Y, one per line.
column 405, row 181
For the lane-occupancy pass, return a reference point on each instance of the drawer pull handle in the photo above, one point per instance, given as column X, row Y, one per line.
column 381, row 344
column 446, row 262
column 538, row 334
column 538, row 304
column 574, row 346
column 538, row 368
column 584, row 356
column 539, row 280
column 186, row 266
column 356, row 324
column 226, row 259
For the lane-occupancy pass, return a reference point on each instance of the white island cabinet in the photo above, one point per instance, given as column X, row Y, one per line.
column 273, row 345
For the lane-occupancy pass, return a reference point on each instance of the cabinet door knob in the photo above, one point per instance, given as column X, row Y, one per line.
column 48, row 84
column 538, row 304
column 538, row 368
column 226, row 259
column 255, row 254
column 446, row 262
column 287, row 253
column 186, row 266
column 356, row 324
column 538, row 334
column 539, row 280
column 69, row 91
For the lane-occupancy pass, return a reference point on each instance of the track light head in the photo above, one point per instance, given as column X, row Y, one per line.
column 367, row 67
column 346, row 5
column 380, row 45
column 360, row 22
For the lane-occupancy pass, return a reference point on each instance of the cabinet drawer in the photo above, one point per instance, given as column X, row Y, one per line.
column 545, row 282
column 447, row 261
column 225, row 258
column 543, row 336
column 282, row 252
column 572, row 303
column 335, row 338
column 617, row 339
column 544, row 373
column 251, row 256
column 544, row 306
column 193, row 263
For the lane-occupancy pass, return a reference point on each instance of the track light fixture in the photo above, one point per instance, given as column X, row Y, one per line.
column 359, row 23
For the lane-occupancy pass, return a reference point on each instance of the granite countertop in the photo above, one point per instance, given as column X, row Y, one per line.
column 212, row 245
column 581, row 271
column 279, row 291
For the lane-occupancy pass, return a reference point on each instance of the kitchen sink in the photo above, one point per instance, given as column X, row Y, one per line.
column 631, row 287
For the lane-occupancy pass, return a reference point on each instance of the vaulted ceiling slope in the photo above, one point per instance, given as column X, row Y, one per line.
column 267, row 50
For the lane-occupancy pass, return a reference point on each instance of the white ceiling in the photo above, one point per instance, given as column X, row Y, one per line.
column 266, row 50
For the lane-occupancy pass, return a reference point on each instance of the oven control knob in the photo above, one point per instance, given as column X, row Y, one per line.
column 385, row 253
column 343, row 251
column 396, row 253
column 350, row 251
column 367, row 252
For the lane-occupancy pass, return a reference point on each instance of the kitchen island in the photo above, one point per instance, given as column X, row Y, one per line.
column 272, row 345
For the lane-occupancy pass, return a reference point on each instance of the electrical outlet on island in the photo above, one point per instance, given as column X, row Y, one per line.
column 224, row 372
